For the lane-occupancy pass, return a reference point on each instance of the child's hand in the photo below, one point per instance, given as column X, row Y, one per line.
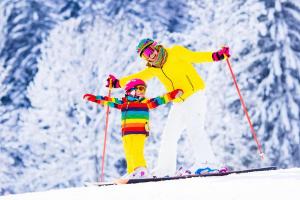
column 176, row 93
column 179, row 93
column 89, row 97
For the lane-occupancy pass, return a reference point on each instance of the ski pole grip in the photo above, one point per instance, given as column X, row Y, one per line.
column 110, row 84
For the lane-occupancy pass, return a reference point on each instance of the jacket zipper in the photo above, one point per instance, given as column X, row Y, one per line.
column 170, row 81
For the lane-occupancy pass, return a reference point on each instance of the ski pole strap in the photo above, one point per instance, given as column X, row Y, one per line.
column 245, row 111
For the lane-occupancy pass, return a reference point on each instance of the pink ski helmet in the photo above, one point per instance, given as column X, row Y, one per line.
column 133, row 83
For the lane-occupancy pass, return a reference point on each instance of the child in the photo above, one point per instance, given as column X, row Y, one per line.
column 135, row 122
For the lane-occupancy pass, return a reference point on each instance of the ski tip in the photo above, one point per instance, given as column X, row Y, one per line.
column 121, row 181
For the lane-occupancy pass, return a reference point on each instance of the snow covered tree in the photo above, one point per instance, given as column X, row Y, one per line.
column 25, row 25
column 277, row 84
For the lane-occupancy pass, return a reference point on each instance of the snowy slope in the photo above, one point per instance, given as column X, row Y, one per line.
column 279, row 184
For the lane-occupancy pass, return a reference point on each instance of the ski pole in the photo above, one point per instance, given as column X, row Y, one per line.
column 105, row 136
column 245, row 110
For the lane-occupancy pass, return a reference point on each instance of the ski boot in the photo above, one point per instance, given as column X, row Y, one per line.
column 139, row 173
column 208, row 170
column 223, row 170
column 182, row 172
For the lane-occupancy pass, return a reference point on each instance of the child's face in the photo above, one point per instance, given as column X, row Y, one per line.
column 140, row 90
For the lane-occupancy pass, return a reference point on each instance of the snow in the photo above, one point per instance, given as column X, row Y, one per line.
column 275, row 185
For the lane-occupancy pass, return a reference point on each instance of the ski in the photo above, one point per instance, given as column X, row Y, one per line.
column 156, row 179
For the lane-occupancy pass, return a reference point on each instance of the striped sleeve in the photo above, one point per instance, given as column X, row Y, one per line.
column 166, row 98
column 109, row 101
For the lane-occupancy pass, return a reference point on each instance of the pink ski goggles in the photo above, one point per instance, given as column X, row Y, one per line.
column 148, row 51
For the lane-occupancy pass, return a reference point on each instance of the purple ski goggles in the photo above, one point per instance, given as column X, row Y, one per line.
column 148, row 51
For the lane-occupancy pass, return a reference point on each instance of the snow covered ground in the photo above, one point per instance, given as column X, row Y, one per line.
column 279, row 184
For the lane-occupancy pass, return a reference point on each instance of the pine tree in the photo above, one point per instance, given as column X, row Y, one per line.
column 279, row 90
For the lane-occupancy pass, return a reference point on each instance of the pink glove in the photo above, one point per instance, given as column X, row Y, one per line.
column 221, row 54
column 115, row 83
